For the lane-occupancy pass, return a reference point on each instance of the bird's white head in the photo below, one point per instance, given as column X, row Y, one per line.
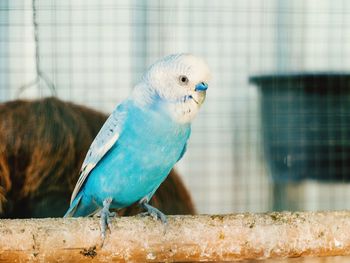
column 177, row 81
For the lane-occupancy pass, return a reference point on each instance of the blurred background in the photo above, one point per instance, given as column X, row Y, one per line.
column 273, row 133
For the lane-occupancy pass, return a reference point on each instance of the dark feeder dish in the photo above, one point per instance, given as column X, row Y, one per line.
column 306, row 126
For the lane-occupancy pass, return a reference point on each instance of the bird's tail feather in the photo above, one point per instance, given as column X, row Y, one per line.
column 73, row 207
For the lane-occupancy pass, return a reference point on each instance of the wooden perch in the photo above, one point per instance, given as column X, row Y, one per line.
column 186, row 238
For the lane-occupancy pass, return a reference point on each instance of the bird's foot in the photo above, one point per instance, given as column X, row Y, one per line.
column 105, row 218
column 154, row 212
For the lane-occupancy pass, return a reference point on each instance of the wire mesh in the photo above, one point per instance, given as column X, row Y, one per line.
column 94, row 51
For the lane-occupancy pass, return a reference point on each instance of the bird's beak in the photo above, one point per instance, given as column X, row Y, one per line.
column 202, row 86
column 199, row 96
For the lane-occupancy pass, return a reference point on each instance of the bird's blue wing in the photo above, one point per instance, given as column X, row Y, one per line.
column 185, row 147
column 103, row 142
column 182, row 153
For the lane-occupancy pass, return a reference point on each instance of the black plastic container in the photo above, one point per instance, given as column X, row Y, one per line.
column 306, row 125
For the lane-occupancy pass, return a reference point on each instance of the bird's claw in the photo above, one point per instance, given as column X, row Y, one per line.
column 105, row 218
column 154, row 213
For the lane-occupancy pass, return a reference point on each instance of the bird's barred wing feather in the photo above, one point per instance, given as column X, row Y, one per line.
column 105, row 139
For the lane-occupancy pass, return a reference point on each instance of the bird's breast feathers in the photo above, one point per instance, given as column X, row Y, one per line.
column 149, row 145
column 153, row 131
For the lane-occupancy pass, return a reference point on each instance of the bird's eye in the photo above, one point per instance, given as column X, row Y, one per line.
column 183, row 80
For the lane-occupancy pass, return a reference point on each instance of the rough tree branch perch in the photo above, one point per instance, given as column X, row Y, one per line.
column 187, row 238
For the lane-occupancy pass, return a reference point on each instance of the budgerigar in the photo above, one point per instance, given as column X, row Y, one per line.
column 142, row 139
